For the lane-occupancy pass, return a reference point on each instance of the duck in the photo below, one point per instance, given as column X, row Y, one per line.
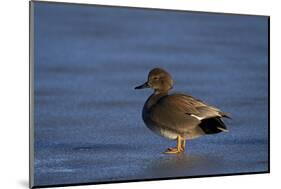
column 178, row 116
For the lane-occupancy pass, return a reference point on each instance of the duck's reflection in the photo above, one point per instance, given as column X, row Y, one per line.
column 183, row 165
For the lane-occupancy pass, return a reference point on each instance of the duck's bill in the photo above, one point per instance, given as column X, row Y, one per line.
column 145, row 85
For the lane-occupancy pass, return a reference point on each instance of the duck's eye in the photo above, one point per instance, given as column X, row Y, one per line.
column 156, row 78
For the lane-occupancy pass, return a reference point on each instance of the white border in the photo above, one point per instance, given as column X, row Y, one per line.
column 14, row 92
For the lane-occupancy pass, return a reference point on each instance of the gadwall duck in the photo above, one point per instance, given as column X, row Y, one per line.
column 178, row 116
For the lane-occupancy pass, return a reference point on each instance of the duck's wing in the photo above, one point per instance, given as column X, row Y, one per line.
column 182, row 112
column 194, row 107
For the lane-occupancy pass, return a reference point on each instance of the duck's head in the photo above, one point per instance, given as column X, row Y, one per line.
column 159, row 80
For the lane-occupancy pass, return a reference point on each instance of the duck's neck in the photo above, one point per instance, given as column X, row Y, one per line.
column 159, row 92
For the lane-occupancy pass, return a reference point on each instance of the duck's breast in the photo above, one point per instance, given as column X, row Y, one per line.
column 157, row 127
column 153, row 125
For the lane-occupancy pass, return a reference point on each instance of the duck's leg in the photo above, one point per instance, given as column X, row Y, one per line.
column 183, row 144
column 177, row 149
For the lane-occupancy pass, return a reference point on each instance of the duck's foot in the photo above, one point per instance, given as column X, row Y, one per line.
column 180, row 147
column 174, row 150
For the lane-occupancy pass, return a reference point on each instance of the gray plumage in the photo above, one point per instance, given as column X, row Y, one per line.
column 178, row 115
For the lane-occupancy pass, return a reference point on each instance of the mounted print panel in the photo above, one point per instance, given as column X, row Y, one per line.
column 121, row 94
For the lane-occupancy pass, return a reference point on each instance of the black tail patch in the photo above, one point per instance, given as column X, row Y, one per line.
column 212, row 125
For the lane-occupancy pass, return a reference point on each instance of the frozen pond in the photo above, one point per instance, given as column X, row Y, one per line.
column 88, row 125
